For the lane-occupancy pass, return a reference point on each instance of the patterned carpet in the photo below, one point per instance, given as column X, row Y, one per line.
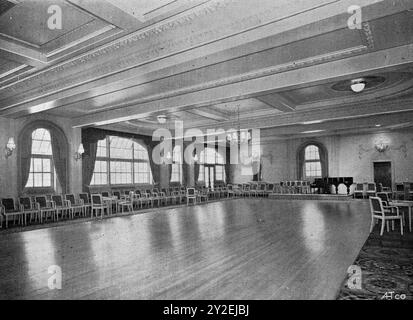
column 386, row 264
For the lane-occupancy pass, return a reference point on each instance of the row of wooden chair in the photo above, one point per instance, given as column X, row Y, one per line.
column 42, row 208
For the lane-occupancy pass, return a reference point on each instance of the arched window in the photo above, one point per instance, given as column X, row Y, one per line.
column 210, row 158
column 41, row 173
column 312, row 162
column 176, row 175
column 121, row 161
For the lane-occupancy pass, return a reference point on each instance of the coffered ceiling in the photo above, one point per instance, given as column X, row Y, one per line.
column 269, row 64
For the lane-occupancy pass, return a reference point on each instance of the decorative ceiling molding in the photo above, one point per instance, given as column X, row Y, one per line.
column 368, row 35
column 80, row 69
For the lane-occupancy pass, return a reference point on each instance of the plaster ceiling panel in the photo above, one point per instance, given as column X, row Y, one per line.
column 325, row 92
column 27, row 21
column 247, row 108
column 394, row 30
column 7, row 65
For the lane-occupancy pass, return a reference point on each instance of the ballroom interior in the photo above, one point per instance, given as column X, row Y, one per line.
column 204, row 149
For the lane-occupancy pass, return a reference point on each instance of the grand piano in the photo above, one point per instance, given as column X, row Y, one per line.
column 323, row 184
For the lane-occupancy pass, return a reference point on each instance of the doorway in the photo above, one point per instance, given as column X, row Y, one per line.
column 382, row 173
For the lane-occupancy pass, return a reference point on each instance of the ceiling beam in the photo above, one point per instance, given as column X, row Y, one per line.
column 112, row 14
column 379, row 61
column 21, row 53
column 209, row 114
column 333, row 18
column 278, row 102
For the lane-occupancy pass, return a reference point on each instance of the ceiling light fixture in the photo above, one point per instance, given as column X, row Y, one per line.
column 358, row 85
column 312, row 122
column 378, row 125
column 312, row 131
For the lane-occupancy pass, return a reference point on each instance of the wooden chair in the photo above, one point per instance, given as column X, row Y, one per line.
column 359, row 190
column 98, row 206
column 269, row 189
column 260, row 189
column 384, row 214
column 253, row 190
column 76, row 206
column 126, row 203
column 371, row 190
column 46, row 208
column 190, row 195
column 85, row 202
column 29, row 209
column 399, row 192
column 62, row 206
column 11, row 210
column 230, row 191
column 202, row 194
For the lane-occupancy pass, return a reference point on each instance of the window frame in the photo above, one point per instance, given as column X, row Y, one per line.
column 176, row 168
column 40, row 156
column 315, row 160
column 132, row 161
column 203, row 164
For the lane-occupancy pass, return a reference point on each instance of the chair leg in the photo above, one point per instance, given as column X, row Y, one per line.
column 382, row 227
column 372, row 224
column 387, row 225
column 401, row 226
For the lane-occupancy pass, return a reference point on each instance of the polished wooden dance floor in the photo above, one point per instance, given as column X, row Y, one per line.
column 235, row 249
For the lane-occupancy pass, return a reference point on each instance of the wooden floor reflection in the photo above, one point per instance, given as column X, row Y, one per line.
column 236, row 249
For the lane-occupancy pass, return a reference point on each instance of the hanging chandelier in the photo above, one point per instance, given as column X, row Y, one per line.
column 238, row 136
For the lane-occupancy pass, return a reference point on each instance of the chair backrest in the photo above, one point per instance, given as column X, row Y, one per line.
column 42, row 201
column 96, row 199
column 383, row 196
column 71, row 198
column 190, row 191
column 8, row 204
column 58, row 200
column 105, row 194
column 399, row 187
column 26, row 202
column 84, row 197
column 359, row 187
column 270, row 187
column 376, row 206
column 116, row 194
column 371, row 187
column 229, row 187
column 138, row 192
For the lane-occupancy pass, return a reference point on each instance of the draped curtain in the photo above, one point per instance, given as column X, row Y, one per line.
column 90, row 138
column 25, row 146
column 59, row 152
column 229, row 168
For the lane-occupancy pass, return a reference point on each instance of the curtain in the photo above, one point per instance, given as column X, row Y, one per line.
column 300, row 163
column 90, row 138
column 256, row 167
column 324, row 161
column 59, row 152
column 196, row 171
column 25, row 159
column 156, row 168
column 229, row 168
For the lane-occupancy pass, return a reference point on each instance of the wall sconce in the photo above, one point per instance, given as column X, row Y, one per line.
column 381, row 146
column 10, row 146
column 80, row 152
